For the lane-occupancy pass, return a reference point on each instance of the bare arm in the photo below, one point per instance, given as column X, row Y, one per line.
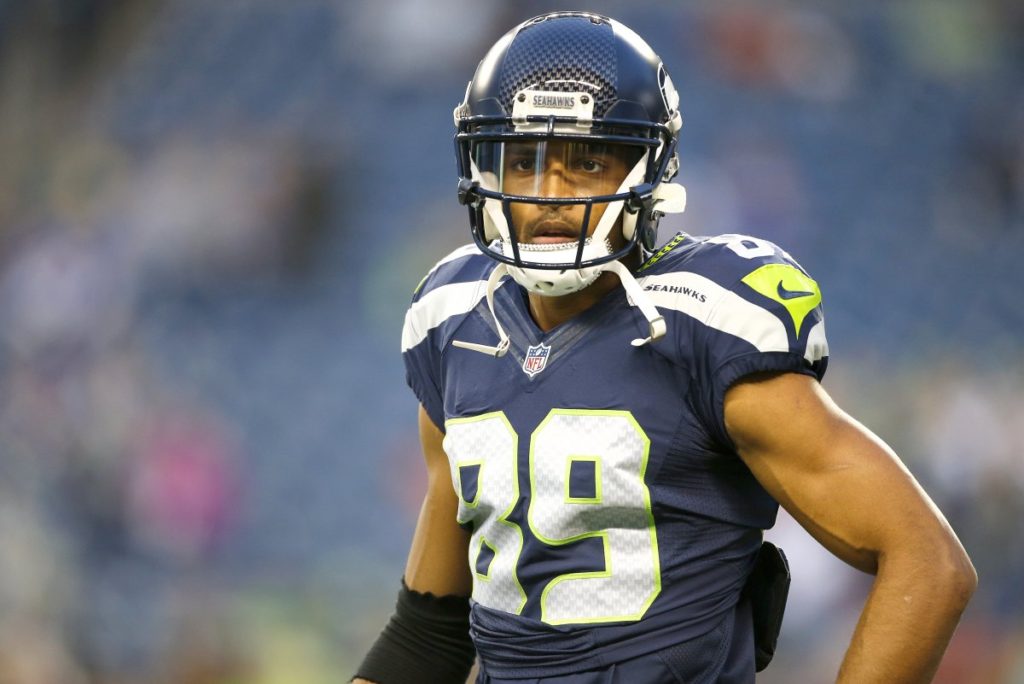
column 852, row 493
column 438, row 559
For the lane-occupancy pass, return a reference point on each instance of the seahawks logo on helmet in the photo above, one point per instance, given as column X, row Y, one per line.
column 669, row 94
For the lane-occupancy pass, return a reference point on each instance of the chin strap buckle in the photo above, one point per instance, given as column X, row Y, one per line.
column 641, row 197
column 657, row 328
column 656, row 325
column 468, row 194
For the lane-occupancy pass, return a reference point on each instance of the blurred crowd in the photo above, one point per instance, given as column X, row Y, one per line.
column 212, row 215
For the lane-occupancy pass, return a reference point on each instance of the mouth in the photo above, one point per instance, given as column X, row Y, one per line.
column 553, row 232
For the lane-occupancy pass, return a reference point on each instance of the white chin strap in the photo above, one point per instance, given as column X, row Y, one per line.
column 492, row 284
column 551, row 283
column 634, row 295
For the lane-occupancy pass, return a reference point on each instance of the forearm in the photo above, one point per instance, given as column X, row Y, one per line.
column 426, row 642
column 853, row 494
column 908, row 620
column 427, row 639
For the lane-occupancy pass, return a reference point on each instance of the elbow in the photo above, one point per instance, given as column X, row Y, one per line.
column 956, row 575
column 939, row 563
column 967, row 581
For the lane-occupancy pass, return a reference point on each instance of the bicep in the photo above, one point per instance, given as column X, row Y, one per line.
column 437, row 560
column 839, row 480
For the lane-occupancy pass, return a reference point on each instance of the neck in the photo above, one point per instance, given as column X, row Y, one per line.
column 549, row 312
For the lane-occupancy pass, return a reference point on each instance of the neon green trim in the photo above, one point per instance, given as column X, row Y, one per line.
column 776, row 280
column 596, row 460
column 596, row 574
column 668, row 247
column 479, row 479
column 600, row 534
column 486, row 576
column 420, row 284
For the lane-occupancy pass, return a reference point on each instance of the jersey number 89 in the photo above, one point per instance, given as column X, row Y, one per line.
column 586, row 471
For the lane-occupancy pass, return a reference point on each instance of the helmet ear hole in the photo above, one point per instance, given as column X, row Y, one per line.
column 649, row 234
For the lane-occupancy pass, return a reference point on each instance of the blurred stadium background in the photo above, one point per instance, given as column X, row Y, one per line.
column 212, row 215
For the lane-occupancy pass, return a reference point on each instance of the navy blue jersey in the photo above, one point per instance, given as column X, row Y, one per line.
column 611, row 516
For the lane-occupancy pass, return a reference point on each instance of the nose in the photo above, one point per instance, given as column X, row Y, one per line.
column 554, row 182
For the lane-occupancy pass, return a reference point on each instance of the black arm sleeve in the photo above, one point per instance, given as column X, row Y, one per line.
column 426, row 642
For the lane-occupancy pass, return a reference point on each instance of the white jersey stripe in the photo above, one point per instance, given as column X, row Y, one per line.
column 760, row 327
column 817, row 343
column 713, row 305
column 437, row 306
column 464, row 250
column 689, row 293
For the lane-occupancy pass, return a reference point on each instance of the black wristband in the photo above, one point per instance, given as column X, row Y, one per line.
column 426, row 642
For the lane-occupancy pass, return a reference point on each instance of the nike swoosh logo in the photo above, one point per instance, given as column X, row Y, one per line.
column 791, row 294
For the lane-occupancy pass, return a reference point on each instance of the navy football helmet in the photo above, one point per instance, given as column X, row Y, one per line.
column 566, row 141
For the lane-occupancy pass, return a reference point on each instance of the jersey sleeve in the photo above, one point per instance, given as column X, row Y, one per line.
column 422, row 366
column 449, row 291
column 767, row 317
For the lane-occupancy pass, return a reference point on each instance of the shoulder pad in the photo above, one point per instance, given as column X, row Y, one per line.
column 739, row 284
column 752, row 264
column 453, row 287
column 461, row 265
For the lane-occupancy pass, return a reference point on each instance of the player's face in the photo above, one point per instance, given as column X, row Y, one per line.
column 562, row 169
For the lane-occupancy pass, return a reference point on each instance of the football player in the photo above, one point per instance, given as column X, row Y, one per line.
column 609, row 427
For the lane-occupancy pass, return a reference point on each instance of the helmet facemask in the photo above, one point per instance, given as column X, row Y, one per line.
column 554, row 207
column 557, row 197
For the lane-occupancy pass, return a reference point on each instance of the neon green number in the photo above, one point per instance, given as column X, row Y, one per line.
column 484, row 448
column 586, row 472
column 614, row 506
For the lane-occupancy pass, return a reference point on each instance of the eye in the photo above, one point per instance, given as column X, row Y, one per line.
column 591, row 165
column 522, row 164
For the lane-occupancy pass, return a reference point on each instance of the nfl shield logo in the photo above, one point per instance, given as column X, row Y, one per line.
column 536, row 359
